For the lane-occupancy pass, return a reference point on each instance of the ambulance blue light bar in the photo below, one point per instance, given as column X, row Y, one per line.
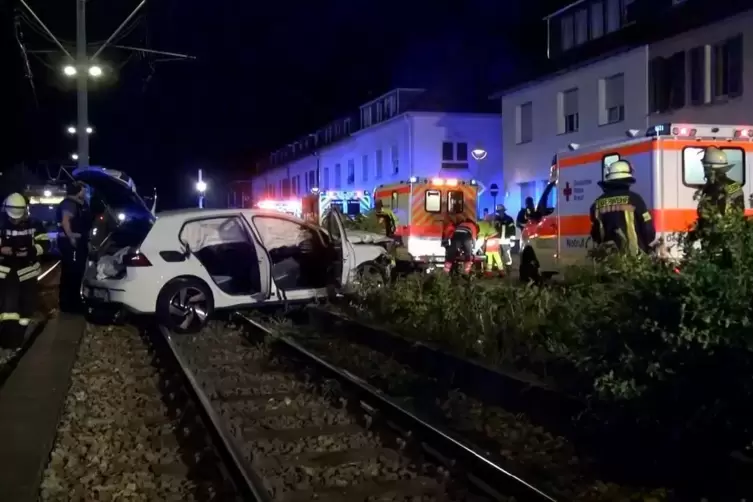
column 693, row 131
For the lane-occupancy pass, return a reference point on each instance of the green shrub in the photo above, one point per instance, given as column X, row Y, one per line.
column 672, row 350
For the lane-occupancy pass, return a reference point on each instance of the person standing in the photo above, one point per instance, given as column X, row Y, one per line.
column 505, row 227
column 22, row 242
column 73, row 216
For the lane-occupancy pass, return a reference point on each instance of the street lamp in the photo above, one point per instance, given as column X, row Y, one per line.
column 479, row 153
column 201, row 187
column 69, row 70
column 89, row 130
column 95, row 71
column 74, row 156
column 71, row 130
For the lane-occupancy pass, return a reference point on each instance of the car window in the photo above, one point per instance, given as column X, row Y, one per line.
column 693, row 174
column 298, row 254
column 199, row 234
column 454, row 202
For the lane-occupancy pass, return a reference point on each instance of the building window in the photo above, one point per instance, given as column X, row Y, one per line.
column 365, row 117
column 338, row 174
column 597, row 19
column 378, row 106
column 698, row 73
column 567, row 30
column 448, row 151
column 365, row 167
column 568, row 105
column 325, row 179
column 461, row 152
column 395, row 155
column 378, row 164
column 614, row 16
column 527, row 189
column 524, row 123
column 390, row 106
column 581, row 26
column 676, row 74
column 667, row 83
column 727, row 68
column 351, row 171
column 612, row 95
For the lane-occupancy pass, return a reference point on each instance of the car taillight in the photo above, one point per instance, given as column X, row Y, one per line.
column 136, row 260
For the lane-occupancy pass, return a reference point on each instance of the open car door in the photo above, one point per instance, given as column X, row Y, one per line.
column 344, row 265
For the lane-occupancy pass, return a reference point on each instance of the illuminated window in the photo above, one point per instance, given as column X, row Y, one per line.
column 433, row 201
column 393, row 201
column 692, row 169
column 455, row 201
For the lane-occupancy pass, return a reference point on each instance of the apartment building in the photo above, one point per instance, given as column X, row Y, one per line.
column 400, row 134
column 619, row 65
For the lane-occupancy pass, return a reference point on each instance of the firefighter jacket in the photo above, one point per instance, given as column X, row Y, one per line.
column 467, row 227
column 505, row 226
column 721, row 194
column 620, row 216
column 27, row 241
column 390, row 220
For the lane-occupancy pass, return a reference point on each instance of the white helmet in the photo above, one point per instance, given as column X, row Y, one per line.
column 619, row 171
column 715, row 159
column 15, row 206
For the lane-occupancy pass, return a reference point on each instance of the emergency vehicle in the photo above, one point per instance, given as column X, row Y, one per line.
column 667, row 168
column 349, row 202
column 293, row 207
column 422, row 207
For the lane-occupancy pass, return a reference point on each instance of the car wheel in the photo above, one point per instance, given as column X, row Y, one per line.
column 185, row 305
column 371, row 273
column 529, row 266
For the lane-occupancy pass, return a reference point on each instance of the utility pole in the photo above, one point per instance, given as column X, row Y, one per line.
column 82, row 90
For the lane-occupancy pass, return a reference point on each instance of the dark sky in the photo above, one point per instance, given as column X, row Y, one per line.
column 264, row 73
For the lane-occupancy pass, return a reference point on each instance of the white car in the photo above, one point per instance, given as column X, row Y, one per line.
column 183, row 265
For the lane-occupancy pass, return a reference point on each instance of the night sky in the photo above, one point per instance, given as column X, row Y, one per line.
column 264, row 74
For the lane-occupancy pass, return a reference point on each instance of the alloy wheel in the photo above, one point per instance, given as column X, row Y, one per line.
column 187, row 306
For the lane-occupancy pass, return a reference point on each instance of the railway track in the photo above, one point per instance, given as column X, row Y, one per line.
column 291, row 427
column 48, row 280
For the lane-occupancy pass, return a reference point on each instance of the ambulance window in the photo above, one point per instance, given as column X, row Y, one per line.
column 692, row 169
column 353, row 207
column 393, row 201
column 455, row 201
column 433, row 201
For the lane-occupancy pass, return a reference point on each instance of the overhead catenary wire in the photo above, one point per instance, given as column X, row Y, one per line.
column 27, row 67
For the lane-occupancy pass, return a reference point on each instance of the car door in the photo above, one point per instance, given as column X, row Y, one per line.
column 344, row 266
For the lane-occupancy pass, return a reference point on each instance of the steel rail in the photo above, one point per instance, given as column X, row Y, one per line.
column 457, row 452
column 247, row 483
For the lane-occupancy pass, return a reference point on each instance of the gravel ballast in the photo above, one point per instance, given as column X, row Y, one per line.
column 116, row 440
column 300, row 437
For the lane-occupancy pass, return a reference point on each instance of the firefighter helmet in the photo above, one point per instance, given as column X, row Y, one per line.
column 715, row 160
column 619, row 171
column 15, row 206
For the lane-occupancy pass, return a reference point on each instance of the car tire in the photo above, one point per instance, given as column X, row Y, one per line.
column 185, row 305
column 373, row 273
column 529, row 266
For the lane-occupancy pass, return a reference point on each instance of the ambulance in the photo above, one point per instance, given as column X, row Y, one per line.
column 348, row 202
column 292, row 207
column 422, row 206
column 667, row 168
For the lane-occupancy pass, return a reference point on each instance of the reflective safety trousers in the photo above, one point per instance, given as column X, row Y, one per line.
column 18, row 294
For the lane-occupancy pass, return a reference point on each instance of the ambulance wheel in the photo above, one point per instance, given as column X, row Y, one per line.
column 529, row 266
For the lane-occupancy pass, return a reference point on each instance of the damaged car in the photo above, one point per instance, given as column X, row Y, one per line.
column 183, row 265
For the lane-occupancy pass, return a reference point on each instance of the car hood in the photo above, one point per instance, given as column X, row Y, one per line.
column 363, row 237
column 115, row 189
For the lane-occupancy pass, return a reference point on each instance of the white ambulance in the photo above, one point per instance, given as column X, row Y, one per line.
column 667, row 167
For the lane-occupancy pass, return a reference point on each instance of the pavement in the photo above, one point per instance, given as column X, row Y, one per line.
column 31, row 401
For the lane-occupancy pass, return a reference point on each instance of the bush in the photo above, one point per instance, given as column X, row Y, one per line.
column 672, row 351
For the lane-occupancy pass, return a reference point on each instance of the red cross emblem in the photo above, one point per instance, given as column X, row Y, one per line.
column 567, row 191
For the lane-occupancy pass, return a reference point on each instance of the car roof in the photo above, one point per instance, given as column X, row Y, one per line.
column 195, row 212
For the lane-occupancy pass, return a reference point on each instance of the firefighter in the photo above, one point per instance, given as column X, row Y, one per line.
column 387, row 217
column 461, row 245
column 720, row 194
column 525, row 214
column 22, row 242
column 505, row 227
column 619, row 217
column 74, row 222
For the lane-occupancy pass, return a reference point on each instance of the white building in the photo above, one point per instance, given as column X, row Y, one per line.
column 391, row 139
column 696, row 77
